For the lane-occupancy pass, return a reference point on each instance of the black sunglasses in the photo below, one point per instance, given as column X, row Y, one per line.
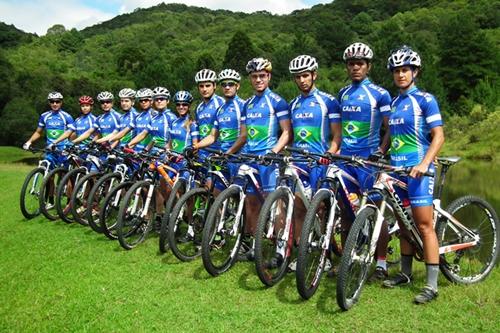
column 144, row 100
column 228, row 84
column 54, row 101
column 105, row 102
column 160, row 99
column 182, row 104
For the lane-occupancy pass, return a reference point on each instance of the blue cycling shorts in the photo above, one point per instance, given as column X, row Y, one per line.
column 420, row 190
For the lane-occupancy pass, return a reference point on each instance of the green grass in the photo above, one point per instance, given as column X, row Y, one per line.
column 64, row 277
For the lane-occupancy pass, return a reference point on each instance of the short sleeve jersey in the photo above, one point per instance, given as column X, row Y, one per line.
column 261, row 116
column 363, row 106
column 412, row 117
column 311, row 119
column 140, row 124
column 81, row 125
column 205, row 116
column 182, row 137
column 125, row 121
column 55, row 123
column 108, row 122
column 228, row 122
column 159, row 128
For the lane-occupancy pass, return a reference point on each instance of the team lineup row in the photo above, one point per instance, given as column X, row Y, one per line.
column 264, row 124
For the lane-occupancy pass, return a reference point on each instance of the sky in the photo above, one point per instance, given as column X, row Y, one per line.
column 36, row 16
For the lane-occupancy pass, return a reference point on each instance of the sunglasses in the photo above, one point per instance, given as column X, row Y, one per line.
column 160, row 99
column 228, row 84
column 182, row 104
column 55, row 101
column 105, row 102
column 144, row 100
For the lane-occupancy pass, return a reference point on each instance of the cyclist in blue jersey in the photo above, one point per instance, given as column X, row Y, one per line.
column 159, row 126
column 107, row 122
column 141, row 122
column 416, row 133
column 364, row 109
column 54, row 122
column 264, row 115
column 227, row 124
column 315, row 121
column 123, row 134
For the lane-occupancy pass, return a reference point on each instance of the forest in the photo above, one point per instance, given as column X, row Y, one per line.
column 459, row 42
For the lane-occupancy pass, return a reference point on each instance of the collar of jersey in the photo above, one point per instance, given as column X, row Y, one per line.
column 311, row 93
column 364, row 82
column 411, row 91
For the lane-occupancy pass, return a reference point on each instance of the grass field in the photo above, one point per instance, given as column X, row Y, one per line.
column 64, row 277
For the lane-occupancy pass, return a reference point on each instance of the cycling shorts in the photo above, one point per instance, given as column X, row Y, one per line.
column 420, row 190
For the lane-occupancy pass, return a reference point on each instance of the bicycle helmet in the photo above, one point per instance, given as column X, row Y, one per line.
column 303, row 63
column 205, row 75
column 144, row 93
column 55, row 95
column 161, row 92
column 104, row 96
column 229, row 74
column 127, row 93
column 358, row 51
column 86, row 100
column 183, row 96
column 259, row 64
column 404, row 56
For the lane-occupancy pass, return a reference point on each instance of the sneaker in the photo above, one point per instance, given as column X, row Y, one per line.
column 426, row 295
column 328, row 265
column 292, row 267
column 378, row 275
column 276, row 261
column 396, row 280
column 218, row 242
column 185, row 238
column 49, row 206
column 246, row 252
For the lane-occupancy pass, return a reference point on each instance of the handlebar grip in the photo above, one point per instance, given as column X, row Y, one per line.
column 296, row 150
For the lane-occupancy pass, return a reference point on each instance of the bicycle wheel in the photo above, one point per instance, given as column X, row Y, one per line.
column 79, row 196
column 178, row 190
column 272, row 251
column 186, row 224
column 63, row 193
column 135, row 215
column 96, row 197
column 48, row 193
column 29, row 201
column 471, row 264
column 108, row 215
column 356, row 260
column 393, row 248
column 222, row 232
column 313, row 245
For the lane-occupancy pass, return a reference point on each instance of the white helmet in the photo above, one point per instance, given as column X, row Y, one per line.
column 259, row 64
column 104, row 96
column 303, row 63
column 205, row 75
column 404, row 56
column 127, row 93
column 55, row 95
column 358, row 51
column 144, row 93
column 229, row 74
column 183, row 96
column 161, row 92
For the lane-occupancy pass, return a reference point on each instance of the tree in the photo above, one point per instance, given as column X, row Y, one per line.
column 239, row 50
column 56, row 29
column 206, row 60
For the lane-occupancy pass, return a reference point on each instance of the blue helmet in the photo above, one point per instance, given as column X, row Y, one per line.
column 404, row 56
column 183, row 96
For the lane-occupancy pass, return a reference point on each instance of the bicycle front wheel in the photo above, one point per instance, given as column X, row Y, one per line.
column 470, row 264
column 96, row 197
column 222, row 232
column 63, row 194
column 79, row 198
column 178, row 190
column 108, row 215
column 29, row 201
column 48, row 193
column 356, row 259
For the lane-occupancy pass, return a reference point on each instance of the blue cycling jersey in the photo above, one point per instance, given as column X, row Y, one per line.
column 140, row 124
column 311, row 119
column 107, row 122
column 81, row 125
column 261, row 116
column 205, row 116
column 363, row 106
column 125, row 120
column 55, row 123
column 412, row 117
column 159, row 128
column 228, row 122
column 182, row 133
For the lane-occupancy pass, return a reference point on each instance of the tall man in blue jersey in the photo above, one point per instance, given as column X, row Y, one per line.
column 365, row 107
column 263, row 116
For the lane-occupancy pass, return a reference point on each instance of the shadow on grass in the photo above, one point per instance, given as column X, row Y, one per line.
column 249, row 280
column 327, row 302
column 286, row 290
column 200, row 274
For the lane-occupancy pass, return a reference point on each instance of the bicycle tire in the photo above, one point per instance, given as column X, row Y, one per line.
column 108, row 214
column 356, row 260
column 270, row 270
column 219, row 248
column 185, row 227
column 64, row 211
column 132, row 229
column 474, row 264
column 30, row 208
column 96, row 197
column 46, row 198
column 178, row 190
column 79, row 197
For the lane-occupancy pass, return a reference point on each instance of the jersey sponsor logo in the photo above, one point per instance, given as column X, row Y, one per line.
column 204, row 115
column 254, row 115
column 351, row 141
column 406, row 107
column 54, row 123
column 351, row 108
column 224, row 119
column 304, row 115
column 351, row 128
column 312, row 104
column 263, row 104
column 361, row 97
column 397, row 144
column 396, row 121
column 176, row 131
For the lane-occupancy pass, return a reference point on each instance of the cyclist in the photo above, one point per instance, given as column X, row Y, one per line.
column 416, row 132
column 315, row 119
column 161, row 121
column 227, row 124
column 364, row 108
column 54, row 122
column 141, row 122
column 264, row 115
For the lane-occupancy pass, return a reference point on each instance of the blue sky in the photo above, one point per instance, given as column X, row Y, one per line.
column 39, row 15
